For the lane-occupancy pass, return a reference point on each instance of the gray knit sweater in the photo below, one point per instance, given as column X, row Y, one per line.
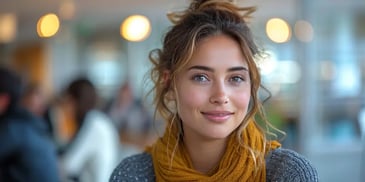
column 282, row 165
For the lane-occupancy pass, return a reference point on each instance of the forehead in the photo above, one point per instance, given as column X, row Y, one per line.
column 220, row 50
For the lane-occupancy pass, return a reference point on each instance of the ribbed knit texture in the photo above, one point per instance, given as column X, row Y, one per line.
column 287, row 165
column 282, row 165
column 135, row 168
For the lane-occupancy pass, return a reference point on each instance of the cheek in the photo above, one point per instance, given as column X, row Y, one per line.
column 191, row 99
column 242, row 101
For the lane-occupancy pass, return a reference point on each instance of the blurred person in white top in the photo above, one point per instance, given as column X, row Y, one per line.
column 93, row 151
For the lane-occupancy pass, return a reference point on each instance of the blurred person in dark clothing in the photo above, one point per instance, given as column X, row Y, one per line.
column 35, row 100
column 26, row 153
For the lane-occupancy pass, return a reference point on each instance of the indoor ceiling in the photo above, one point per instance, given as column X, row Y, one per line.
column 104, row 13
column 112, row 12
column 34, row 8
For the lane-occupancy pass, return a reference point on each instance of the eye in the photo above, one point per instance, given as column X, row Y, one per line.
column 237, row 79
column 200, row 78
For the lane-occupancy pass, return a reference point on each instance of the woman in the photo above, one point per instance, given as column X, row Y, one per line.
column 206, row 87
column 92, row 153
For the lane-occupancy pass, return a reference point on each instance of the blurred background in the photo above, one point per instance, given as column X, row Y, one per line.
column 315, row 66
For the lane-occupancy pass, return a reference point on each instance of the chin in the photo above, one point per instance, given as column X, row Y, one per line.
column 219, row 135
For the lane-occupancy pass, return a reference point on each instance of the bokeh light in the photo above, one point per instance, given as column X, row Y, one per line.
column 48, row 25
column 8, row 27
column 278, row 30
column 303, row 30
column 135, row 28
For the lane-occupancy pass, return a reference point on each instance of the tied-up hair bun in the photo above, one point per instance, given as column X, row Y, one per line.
column 223, row 5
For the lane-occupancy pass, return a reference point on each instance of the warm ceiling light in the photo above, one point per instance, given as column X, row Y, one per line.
column 278, row 30
column 8, row 27
column 135, row 28
column 67, row 10
column 48, row 25
column 303, row 31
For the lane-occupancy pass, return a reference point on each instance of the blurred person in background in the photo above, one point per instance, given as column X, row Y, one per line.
column 26, row 153
column 130, row 116
column 92, row 153
column 34, row 99
column 206, row 84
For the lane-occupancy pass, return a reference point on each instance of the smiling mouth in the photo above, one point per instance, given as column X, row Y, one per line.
column 217, row 117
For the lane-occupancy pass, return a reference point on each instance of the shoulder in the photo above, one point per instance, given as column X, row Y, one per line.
column 98, row 121
column 97, row 115
column 22, row 126
column 288, row 165
column 138, row 167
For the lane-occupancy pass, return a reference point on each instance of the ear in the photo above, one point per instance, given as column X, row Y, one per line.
column 166, row 80
column 4, row 102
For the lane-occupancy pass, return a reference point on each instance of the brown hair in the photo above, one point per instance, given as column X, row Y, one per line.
column 84, row 94
column 203, row 19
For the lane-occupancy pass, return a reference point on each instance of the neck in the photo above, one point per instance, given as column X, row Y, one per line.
column 205, row 155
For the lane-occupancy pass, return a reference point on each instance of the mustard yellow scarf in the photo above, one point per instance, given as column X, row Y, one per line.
column 237, row 164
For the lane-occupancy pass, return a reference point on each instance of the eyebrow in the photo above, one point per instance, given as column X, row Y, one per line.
column 205, row 68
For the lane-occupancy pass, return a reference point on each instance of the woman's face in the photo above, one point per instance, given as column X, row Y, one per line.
column 213, row 90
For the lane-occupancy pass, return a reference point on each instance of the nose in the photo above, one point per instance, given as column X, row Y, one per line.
column 219, row 95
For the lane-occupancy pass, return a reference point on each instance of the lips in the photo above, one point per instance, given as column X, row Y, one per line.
column 217, row 116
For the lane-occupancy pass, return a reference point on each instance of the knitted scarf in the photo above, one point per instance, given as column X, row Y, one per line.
column 171, row 162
